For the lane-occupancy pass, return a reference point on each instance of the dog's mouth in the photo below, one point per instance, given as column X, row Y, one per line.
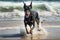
column 28, row 12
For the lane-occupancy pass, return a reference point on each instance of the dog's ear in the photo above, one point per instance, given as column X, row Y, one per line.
column 31, row 4
column 24, row 5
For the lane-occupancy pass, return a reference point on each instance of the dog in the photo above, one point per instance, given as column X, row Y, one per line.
column 30, row 17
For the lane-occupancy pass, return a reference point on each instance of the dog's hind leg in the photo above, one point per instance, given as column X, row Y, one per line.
column 37, row 21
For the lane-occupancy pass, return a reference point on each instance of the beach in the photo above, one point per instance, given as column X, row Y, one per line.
column 52, row 29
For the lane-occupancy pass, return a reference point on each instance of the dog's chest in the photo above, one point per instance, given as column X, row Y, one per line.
column 28, row 18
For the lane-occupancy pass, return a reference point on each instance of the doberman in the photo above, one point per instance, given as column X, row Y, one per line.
column 30, row 17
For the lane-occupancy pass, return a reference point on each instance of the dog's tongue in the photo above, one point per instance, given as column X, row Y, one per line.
column 27, row 15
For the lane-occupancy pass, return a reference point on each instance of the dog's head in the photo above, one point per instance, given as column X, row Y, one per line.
column 27, row 7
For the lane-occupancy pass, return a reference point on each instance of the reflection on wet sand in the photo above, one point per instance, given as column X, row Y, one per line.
column 33, row 36
column 37, row 35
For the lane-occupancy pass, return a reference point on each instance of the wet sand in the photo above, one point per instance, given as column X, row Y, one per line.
column 52, row 28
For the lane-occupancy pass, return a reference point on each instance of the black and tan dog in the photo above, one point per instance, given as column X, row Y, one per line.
column 30, row 17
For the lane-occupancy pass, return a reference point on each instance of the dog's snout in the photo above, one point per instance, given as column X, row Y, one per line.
column 28, row 12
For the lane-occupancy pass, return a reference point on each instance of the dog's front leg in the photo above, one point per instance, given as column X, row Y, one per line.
column 25, row 22
column 30, row 30
column 33, row 25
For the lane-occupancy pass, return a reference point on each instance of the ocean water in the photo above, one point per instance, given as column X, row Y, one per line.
column 53, row 13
